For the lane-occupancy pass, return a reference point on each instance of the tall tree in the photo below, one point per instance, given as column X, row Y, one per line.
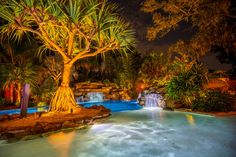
column 16, row 68
column 75, row 29
column 213, row 22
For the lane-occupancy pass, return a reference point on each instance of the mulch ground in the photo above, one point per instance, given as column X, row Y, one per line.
column 15, row 127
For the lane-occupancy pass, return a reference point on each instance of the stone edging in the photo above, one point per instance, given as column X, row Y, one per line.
column 41, row 129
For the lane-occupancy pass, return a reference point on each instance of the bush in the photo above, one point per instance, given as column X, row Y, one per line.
column 31, row 104
column 106, row 81
column 213, row 101
column 2, row 101
column 187, row 85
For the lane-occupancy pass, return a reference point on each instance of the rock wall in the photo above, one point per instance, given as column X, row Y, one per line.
column 109, row 90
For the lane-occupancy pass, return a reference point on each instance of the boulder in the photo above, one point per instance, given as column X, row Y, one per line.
column 38, row 128
column 51, row 127
column 18, row 133
column 88, row 121
column 69, row 124
column 14, row 116
column 110, row 91
column 4, row 117
column 101, row 108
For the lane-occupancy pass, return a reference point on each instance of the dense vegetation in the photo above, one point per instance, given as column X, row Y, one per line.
column 72, row 29
column 213, row 100
column 54, row 45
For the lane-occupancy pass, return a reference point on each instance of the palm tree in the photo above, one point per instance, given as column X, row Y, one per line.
column 75, row 29
column 6, row 55
column 16, row 70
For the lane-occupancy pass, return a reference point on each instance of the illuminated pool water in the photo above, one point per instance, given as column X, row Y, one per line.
column 30, row 110
column 139, row 133
column 113, row 105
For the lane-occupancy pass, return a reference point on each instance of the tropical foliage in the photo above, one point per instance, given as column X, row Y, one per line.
column 212, row 21
column 127, row 71
column 74, row 29
column 155, row 69
column 187, row 85
column 213, row 24
column 16, row 69
column 213, row 100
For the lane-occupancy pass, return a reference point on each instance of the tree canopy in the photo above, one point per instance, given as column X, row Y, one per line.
column 75, row 29
column 212, row 22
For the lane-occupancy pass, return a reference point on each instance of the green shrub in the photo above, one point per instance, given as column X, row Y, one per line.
column 31, row 104
column 106, row 81
column 187, row 85
column 2, row 101
column 213, row 101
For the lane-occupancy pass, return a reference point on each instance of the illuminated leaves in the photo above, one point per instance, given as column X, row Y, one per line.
column 73, row 28
column 210, row 20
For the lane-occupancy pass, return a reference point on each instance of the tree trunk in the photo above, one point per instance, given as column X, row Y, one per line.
column 66, row 75
column 63, row 99
column 7, row 94
column 11, row 92
column 18, row 94
column 24, row 100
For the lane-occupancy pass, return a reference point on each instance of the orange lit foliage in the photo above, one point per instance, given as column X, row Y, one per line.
column 209, row 18
column 75, row 29
column 155, row 69
column 8, row 93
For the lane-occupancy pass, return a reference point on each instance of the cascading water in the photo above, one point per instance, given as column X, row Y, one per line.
column 95, row 96
column 80, row 99
column 151, row 100
column 90, row 97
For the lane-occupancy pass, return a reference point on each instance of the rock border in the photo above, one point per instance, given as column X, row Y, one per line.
column 43, row 128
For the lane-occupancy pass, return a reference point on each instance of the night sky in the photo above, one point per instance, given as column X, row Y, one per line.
column 130, row 10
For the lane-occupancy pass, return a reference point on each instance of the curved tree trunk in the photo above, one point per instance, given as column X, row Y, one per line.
column 63, row 99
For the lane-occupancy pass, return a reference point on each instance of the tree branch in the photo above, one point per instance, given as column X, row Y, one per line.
column 70, row 42
column 78, row 56
column 30, row 30
column 47, row 38
column 49, row 41
column 181, row 10
column 101, row 50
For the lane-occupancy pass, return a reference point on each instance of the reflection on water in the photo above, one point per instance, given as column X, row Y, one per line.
column 61, row 142
column 142, row 133
column 41, row 109
column 190, row 119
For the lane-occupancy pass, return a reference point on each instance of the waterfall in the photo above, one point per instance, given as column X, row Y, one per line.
column 95, row 96
column 151, row 100
column 80, row 99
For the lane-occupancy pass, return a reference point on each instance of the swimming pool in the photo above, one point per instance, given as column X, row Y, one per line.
column 113, row 105
column 30, row 110
column 139, row 133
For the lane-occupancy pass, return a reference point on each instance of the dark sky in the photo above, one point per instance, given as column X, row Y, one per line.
column 130, row 9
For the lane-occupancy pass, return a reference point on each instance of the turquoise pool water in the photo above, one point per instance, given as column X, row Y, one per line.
column 17, row 111
column 113, row 105
column 139, row 133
